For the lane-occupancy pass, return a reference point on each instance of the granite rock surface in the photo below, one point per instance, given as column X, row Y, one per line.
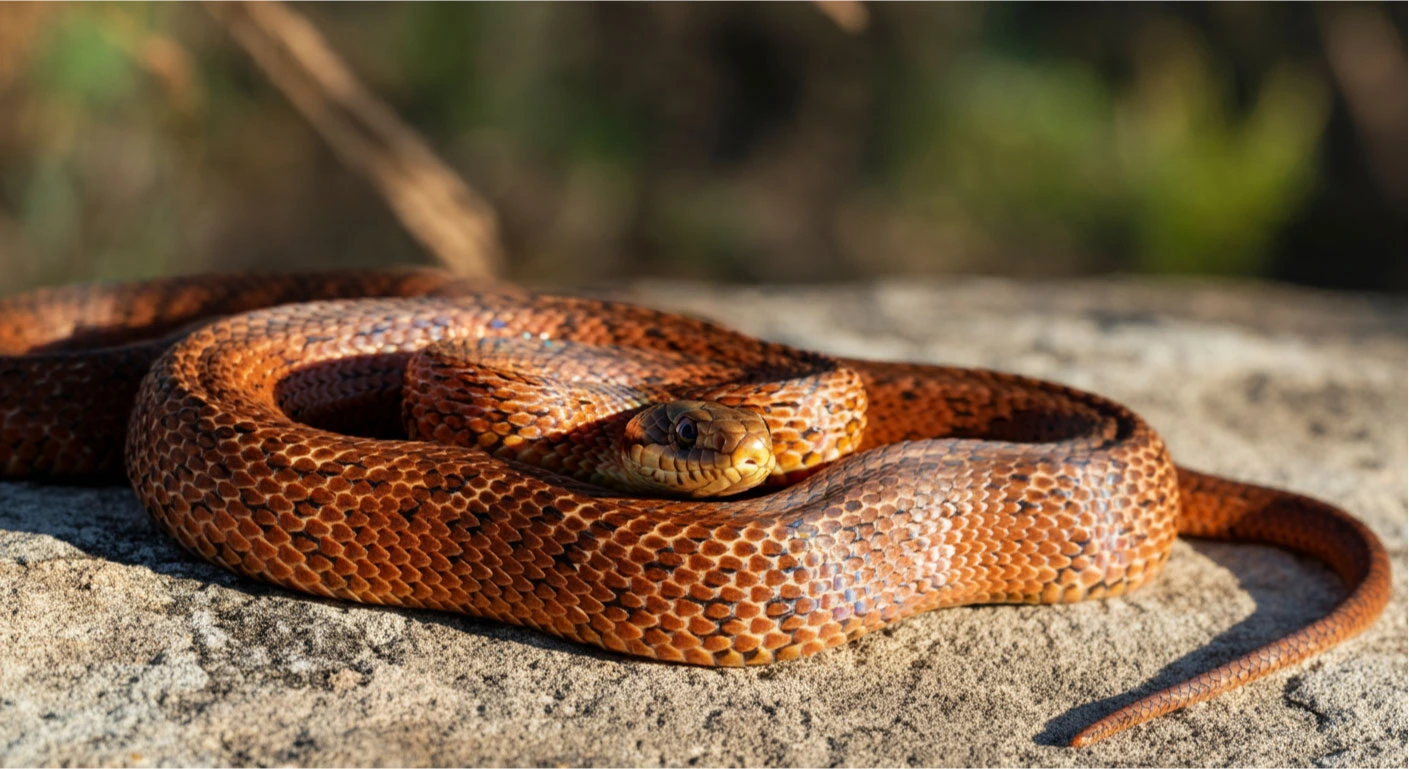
column 118, row 648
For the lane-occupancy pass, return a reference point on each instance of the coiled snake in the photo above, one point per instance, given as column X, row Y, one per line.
column 270, row 442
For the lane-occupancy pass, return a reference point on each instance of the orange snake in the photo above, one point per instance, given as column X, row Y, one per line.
column 967, row 486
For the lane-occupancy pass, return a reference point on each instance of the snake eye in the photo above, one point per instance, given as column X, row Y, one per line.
column 686, row 432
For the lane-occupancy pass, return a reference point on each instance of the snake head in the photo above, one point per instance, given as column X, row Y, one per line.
column 694, row 449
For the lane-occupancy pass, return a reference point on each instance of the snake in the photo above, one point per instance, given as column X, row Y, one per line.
column 313, row 431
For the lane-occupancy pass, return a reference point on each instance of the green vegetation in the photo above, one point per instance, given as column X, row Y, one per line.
column 709, row 141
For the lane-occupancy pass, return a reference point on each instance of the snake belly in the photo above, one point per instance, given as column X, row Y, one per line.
column 970, row 487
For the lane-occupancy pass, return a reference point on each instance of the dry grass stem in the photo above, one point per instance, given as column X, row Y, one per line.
column 439, row 209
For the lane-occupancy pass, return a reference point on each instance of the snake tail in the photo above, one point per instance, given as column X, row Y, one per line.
column 1217, row 508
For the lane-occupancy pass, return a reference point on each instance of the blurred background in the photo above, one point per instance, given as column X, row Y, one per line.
column 776, row 142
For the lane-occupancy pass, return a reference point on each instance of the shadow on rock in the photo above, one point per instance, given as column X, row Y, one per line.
column 107, row 523
column 1274, row 617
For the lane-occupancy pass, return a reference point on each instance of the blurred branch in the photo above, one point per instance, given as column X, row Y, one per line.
column 438, row 208
column 849, row 15
column 1367, row 60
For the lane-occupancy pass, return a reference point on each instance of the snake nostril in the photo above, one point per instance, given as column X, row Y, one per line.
column 754, row 456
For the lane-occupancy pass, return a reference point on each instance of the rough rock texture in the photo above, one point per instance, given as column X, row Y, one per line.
column 116, row 647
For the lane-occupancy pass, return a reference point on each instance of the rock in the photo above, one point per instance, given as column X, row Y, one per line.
column 119, row 648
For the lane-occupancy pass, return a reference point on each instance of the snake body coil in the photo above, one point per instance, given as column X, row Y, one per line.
column 969, row 486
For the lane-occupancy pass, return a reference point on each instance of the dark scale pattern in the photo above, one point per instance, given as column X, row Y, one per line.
column 970, row 487
column 72, row 357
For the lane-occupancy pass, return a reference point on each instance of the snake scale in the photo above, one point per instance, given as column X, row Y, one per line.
column 269, row 441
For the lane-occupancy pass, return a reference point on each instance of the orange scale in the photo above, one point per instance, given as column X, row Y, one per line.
column 576, row 616
column 746, row 578
column 246, row 527
column 305, row 578
column 792, row 652
column 204, row 547
column 354, row 550
column 777, row 609
column 532, row 572
column 661, row 647
column 601, row 624
column 686, row 642
column 521, row 585
column 262, row 549
column 602, row 594
column 706, row 629
column 278, row 571
column 697, row 533
column 729, row 659
column 438, row 562
column 289, row 554
column 303, row 544
column 699, row 592
column 731, row 563
column 734, row 627
column 776, row 641
column 759, row 625
column 251, row 564
column 688, row 608
column 732, row 594
column 398, row 540
column 236, row 541
column 746, row 643
column 632, row 634
column 333, row 583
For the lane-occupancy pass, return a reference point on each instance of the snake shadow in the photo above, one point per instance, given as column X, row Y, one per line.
column 1275, row 615
column 106, row 522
